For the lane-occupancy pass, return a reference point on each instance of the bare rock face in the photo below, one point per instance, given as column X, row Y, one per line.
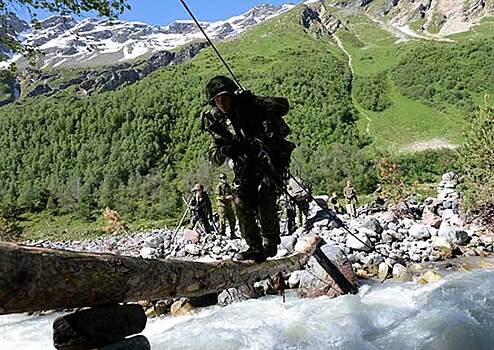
column 328, row 272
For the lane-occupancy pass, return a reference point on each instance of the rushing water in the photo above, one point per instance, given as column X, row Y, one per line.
column 455, row 313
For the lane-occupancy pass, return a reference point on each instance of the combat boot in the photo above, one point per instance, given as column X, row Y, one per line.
column 255, row 254
column 270, row 250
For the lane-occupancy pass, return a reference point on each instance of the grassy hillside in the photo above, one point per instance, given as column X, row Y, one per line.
column 429, row 87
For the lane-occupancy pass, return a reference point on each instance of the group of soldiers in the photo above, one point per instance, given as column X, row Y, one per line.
column 202, row 211
column 249, row 133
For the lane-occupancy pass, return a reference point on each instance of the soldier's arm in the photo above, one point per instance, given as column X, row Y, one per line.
column 274, row 105
column 216, row 156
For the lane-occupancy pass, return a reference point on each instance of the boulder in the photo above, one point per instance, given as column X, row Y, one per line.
column 147, row 252
column 181, row 307
column 429, row 277
column 294, row 279
column 387, row 237
column 384, row 271
column 454, row 236
column 432, row 220
column 288, row 243
column 388, row 217
column 192, row 249
column 419, row 231
column 401, row 273
column 192, row 236
column 373, row 224
column 328, row 272
column 359, row 241
column 153, row 241
column 98, row 326
column 138, row 342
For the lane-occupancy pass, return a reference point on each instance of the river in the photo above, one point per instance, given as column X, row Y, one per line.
column 454, row 313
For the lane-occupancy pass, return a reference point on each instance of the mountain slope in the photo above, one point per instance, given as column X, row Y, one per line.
column 66, row 42
column 137, row 148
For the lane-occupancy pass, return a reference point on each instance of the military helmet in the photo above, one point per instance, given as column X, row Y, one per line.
column 220, row 84
column 197, row 187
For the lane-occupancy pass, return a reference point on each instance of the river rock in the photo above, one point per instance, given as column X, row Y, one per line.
column 374, row 225
column 147, row 252
column 362, row 243
column 454, row 236
column 401, row 273
column 235, row 295
column 432, row 220
column 419, row 231
column 384, row 271
column 98, row 326
column 138, row 342
column 389, row 217
column 181, row 307
column 288, row 243
column 192, row 236
column 294, row 279
column 387, row 237
column 429, row 277
column 153, row 241
column 192, row 249
column 328, row 272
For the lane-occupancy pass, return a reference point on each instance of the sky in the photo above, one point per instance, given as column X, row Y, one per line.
column 162, row 12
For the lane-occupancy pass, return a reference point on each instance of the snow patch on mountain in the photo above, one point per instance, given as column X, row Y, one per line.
column 66, row 42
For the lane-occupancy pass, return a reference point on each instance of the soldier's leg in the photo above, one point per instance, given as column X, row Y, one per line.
column 304, row 211
column 232, row 220
column 268, row 215
column 246, row 213
column 222, row 217
column 205, row 223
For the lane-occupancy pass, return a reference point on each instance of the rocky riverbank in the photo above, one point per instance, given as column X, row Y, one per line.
column 381, row 244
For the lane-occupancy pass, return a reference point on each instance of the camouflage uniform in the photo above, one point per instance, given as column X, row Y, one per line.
column 224, row 203
column 201, row 210
column 334, row 203
column 251, row 134
column 351, row 199
column 300, row 200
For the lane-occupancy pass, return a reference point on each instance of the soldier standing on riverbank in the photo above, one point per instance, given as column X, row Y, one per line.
column 224, row 203
column 201, row 208
column 350, row 198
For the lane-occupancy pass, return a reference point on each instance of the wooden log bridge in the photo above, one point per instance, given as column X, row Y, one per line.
column 35, row 279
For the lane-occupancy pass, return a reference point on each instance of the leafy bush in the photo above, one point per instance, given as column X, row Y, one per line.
column 372, row 92
column 477, row 158
column 441, row 75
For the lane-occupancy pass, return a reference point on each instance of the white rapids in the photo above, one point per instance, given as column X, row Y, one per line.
column 454, row 313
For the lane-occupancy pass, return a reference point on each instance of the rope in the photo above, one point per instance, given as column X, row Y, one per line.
column 211, row 43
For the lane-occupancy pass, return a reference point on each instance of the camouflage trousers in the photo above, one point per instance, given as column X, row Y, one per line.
column 202, row 220
column 257, row 214
column 350, row 209
column 226, row 214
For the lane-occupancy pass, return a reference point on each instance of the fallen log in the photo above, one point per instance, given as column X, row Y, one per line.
column 34, row 279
